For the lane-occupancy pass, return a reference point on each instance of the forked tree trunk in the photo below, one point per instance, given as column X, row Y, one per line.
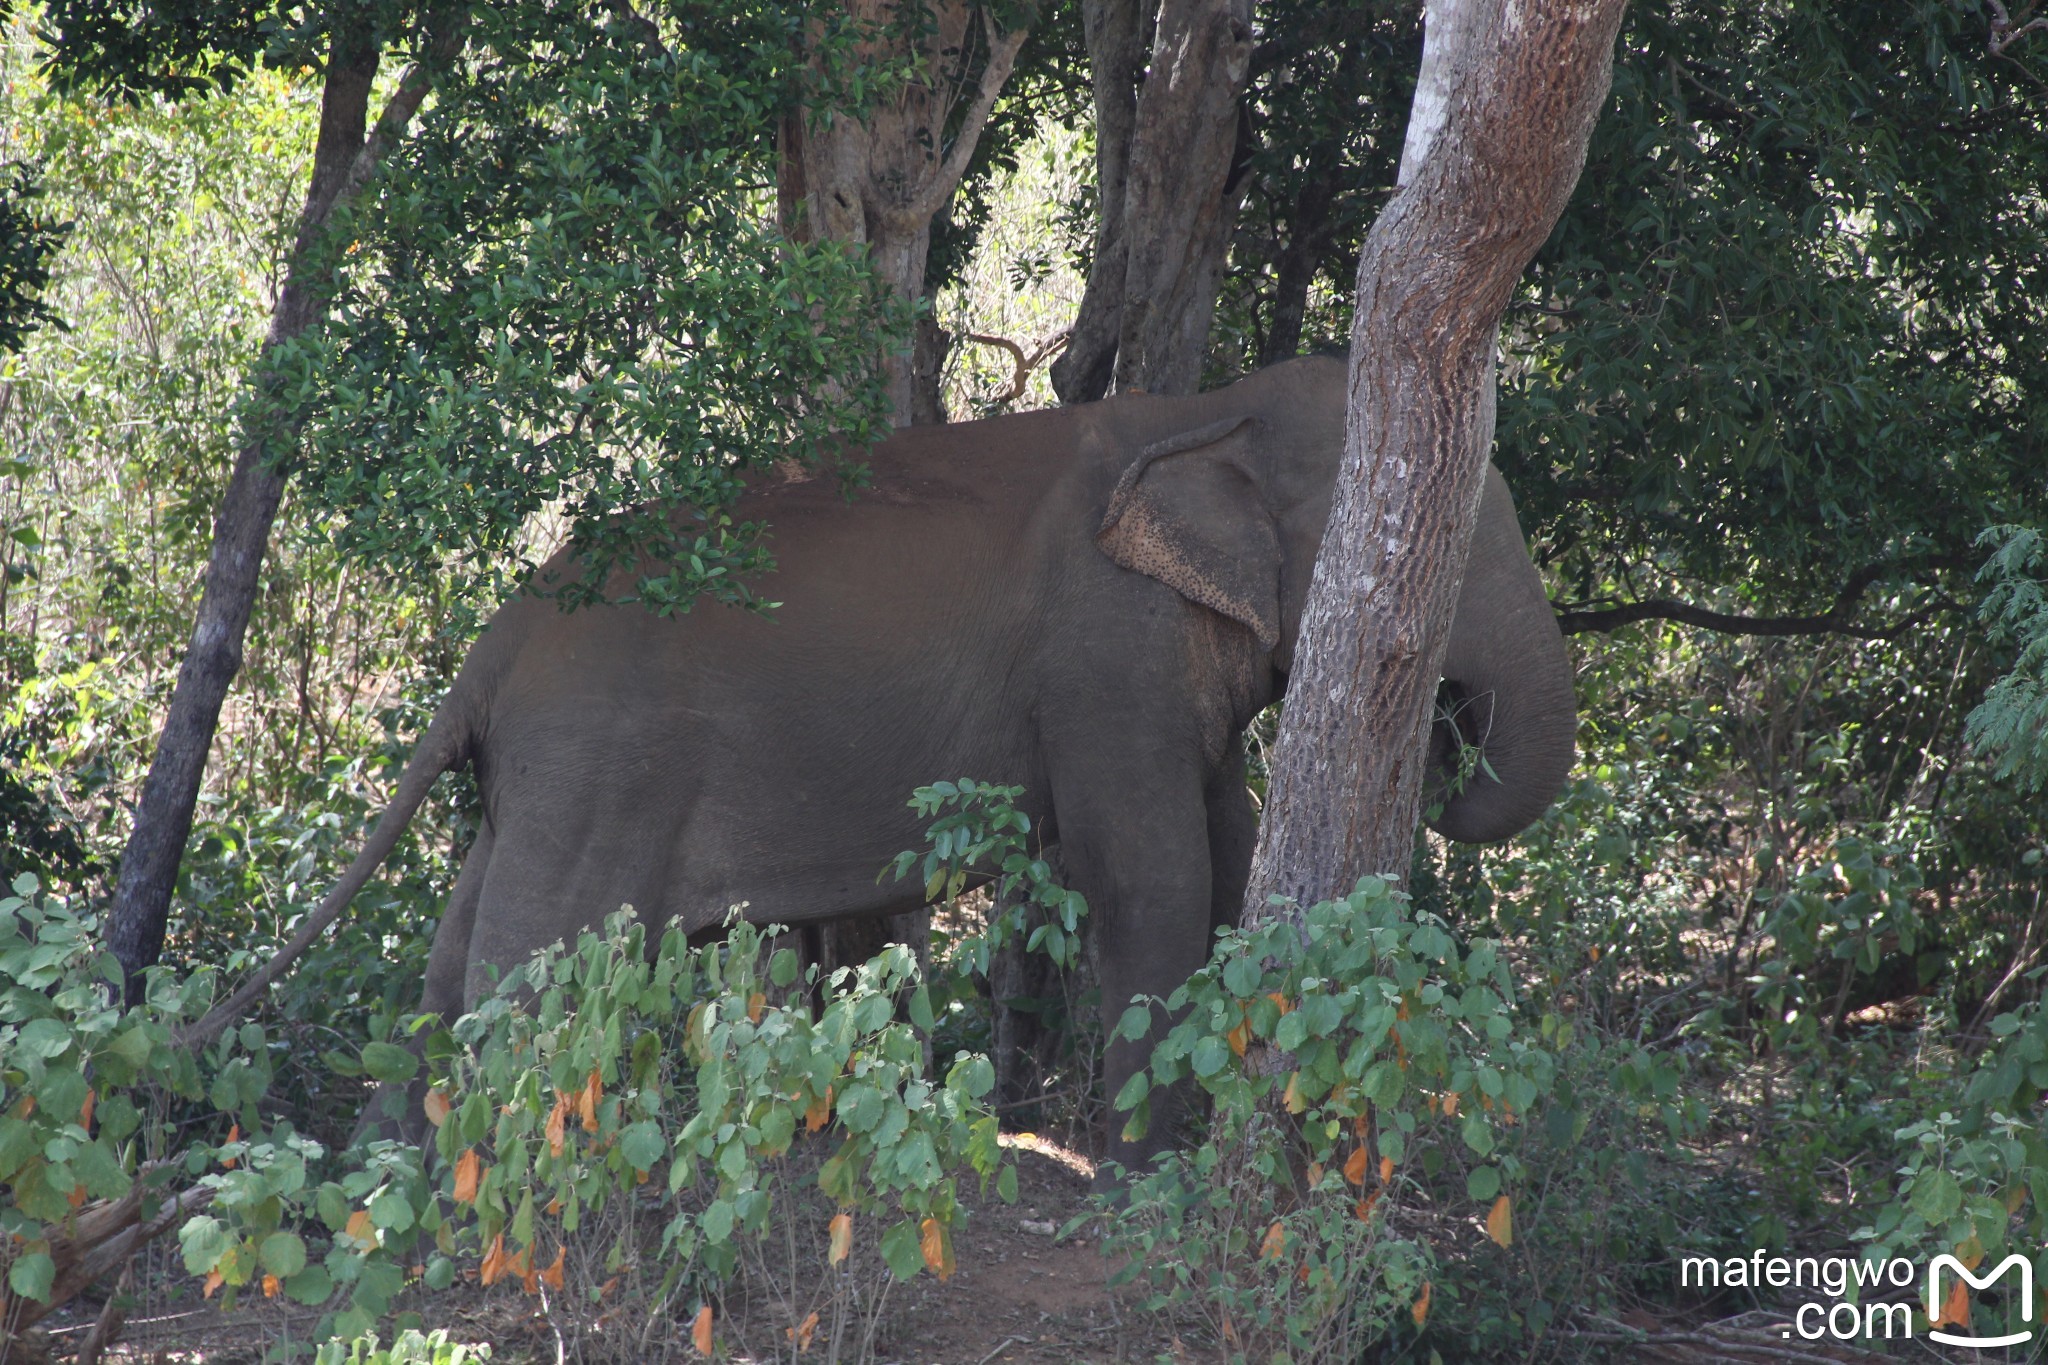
column 880, row 180
column 1168, row 192
column 1508, row 95
column 343, row 160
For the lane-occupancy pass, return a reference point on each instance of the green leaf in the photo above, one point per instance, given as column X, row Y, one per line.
column 283, row 1254
column 1936, row 1196
column 389, row 1063
column 901, row 1251
column 1483, row 1183
column 33, row 1276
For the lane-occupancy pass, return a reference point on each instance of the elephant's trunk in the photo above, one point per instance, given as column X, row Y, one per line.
column 1507, row 689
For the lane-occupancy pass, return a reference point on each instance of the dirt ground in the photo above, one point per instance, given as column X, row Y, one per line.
column 1021, row 1296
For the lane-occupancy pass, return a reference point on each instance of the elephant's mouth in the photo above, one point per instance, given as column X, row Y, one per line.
column 1457, row 742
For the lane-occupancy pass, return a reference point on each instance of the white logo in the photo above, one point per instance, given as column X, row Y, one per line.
column 1934, row 1299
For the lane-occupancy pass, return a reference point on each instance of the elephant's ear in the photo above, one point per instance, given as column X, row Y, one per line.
column 1188, row 513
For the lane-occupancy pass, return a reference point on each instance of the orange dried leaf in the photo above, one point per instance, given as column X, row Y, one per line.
column 359, row 1226
column 819, row 1112
column 842, row 1237
column 558, row 1122
column 494, row 1262
column 755, row 1003
column 803, row 1332
column 1386, row 1169
column 522, row 1266
column 554, row 1206
column 214, row 1281
column 1275, row 1241
column 469, row 1169
column 1955, row 1310
column 586, row 1103
column 270, row 1286
column 1286, row 1005
column 700, row 1332
column 1354, row 1166
column 1420, row 1312
column 1240, row 1036
column 1500, row 1222
column 1451, row 1104
column 937, row 1245
column 85, row 1110
column 437, row 1106
column 1364, row 1206
column 76, row 1197
column 555, row 1273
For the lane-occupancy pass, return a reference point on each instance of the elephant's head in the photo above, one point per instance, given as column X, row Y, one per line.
column 1229, row 512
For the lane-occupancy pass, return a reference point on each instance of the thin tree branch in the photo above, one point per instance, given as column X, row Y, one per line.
column 1002, row 56
column 1838, row 619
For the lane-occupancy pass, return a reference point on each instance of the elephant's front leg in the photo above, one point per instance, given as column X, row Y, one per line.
column 1140, row 853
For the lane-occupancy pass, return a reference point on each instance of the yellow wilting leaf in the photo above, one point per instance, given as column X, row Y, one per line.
column 2015, row 1197
column 802, row 1333
column 1500, row 1222
column 1450, row 1104
column 1240, row 1036
column 1275, row 1241
column 1420, row 1312
column 700, row 1333
column 553, row 1276
column 819, row 1112
column 1386, row 1169
column 270, row 1286
column 1354, row 1166
column 468, row 1170
column 215, row 1281
column 842, row 1237
column 1955, row 1311
column 937, row 1245
column 593, row 1091
column 1970, row 1252
column 558, row 1122
column 1293, row 1098
column 1315, row 1174
column 437, row 1106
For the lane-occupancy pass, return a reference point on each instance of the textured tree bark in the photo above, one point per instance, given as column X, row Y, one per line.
column 1117, row 33
column 1508, row 95
column 343, row 160
column 1167, row 203
column 879, row 181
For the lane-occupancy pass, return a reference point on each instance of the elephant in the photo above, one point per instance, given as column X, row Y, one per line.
column 1091, row 602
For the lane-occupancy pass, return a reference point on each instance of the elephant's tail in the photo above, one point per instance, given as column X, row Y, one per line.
column 445, row 745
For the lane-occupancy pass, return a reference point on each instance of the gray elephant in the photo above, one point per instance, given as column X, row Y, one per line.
column 1092, row 602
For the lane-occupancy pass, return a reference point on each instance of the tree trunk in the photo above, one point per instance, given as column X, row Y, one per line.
column 1118, row 33
column 1508, row 95
column 343, row 160
column 1167, row 203
column 879, row 181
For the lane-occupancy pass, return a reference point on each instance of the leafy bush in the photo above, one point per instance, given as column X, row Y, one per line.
column 1382, row 1036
